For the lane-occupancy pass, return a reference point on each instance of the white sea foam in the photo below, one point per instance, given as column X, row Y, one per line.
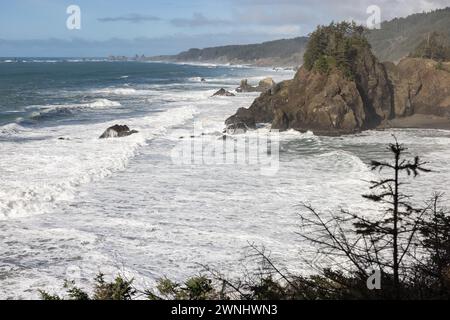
column 11, row 129
column 48, row 171
column 155, row 218
column 123, row 92
column 103, row 103
column 95, row 105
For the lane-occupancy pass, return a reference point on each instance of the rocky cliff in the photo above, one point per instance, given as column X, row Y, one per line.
column 414, row 93
column 421, row 86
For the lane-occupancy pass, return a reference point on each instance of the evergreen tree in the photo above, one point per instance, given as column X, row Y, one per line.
column 435, row 47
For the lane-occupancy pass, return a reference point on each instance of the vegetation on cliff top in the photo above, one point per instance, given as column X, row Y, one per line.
column 335, row 45
column 400, row 36
column 436, row 47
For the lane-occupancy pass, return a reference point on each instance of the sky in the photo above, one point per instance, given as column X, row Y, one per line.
column 38, row 28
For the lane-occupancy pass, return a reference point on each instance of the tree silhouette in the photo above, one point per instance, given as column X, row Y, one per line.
column 400, row 225
column 435, row 243
column 358, row 243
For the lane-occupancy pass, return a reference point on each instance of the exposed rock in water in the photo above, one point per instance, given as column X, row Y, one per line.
column 245, row 87
column 117, row 131
column 223, row 93
column 264, row 85
column 236, row 128
column 243, row 116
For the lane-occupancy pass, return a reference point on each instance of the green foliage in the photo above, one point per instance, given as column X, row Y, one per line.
column 322, row 65
column 435, row 46
column 284, row 51
column 395, row 40
column 399, row 37
column 47, row 296
column 74, row 292
column 120, row 289
column 197, row 288
column 335, row 45
column 268, row 289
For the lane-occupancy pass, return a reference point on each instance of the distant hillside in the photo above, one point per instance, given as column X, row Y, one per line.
column 399, row 37
column 396, row 39
column 282, row 53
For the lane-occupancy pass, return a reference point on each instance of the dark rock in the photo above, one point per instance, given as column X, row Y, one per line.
column 237, row 128
column 244, row 116
column 281, row 121
column 223, row 93
column 117, row 131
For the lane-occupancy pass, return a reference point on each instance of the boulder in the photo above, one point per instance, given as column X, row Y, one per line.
column 223, row 93
column 245, row 87
column 117, row 131
column 243, row 116
column 264, row 85
column 237, row 128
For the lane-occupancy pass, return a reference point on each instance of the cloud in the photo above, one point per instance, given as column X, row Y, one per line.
column 310, row 13
column 132, row 18
column 338, row 10
column 246, row 21
column 199, row 20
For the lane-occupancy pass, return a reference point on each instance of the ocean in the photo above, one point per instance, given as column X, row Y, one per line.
column 72, row 205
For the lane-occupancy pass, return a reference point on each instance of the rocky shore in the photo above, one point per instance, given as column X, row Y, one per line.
column 415, row 93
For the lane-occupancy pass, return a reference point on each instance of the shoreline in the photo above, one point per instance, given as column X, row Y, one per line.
column 230, row 64
column 419, row 121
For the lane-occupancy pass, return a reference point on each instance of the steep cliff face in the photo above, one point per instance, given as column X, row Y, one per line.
column 343, row 88
column 375, row 89
column 421, row 86
column 326, row 103
column 414, row 93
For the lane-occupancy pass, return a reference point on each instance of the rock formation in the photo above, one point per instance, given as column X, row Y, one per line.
column 421, row 86
column 223, row 93
column 117, row 131
column 263, row 86
column 236, row 128
column 372, row 95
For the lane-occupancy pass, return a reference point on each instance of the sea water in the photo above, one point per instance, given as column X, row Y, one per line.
column 72, row 205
